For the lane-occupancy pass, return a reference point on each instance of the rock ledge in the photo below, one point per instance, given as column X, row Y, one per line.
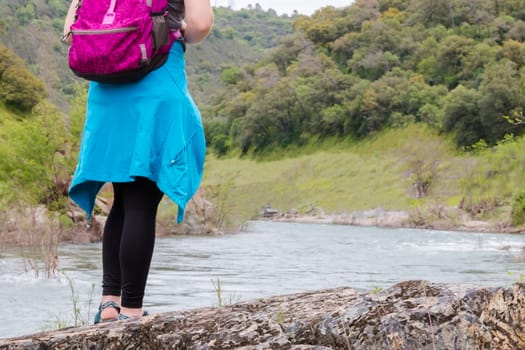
column 408, row 315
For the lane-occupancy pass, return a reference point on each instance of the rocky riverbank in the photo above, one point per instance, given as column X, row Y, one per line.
column 201, row 219
column 409, row 315
column 448, row 220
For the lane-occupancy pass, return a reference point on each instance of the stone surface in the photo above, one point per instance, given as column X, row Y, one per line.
column 449, row 219
column 409, row 315
column 200, row 218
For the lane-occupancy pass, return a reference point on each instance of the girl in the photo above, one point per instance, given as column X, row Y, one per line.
column 146, row 138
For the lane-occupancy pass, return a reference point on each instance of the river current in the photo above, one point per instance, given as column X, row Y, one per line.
column 266, row 259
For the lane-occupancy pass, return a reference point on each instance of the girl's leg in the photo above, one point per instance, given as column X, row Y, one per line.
column 141, row 199
column 111, row 279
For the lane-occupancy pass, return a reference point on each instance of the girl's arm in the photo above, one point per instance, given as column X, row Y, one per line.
column 197, row 21
column 70, row 17
column 196, row 26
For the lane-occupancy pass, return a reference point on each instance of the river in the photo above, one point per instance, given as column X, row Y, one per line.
column 266, row 259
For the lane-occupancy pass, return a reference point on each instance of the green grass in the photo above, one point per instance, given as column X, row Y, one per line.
column 341, row 176
column 338, row 176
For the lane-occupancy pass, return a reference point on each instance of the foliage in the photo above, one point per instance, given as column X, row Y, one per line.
column 19, row 88
column 35, row 160
column 495, row 179
column 219, row 291
column 270, row 86
column 423, row 158
column 501, row 94
column 36, row 142
column 33, row 30
column 273, row 81
column 343, row 176
column 39, row 143
column 454, row 65
column 238, row 38
column 220, row 144
column 78, row 319
column 461, row 110
column 220, row 194
column 328, row 174
column 518, row 209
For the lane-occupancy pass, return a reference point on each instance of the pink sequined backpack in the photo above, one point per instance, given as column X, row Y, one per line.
column 119, row 41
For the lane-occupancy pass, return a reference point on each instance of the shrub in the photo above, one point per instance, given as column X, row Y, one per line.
column 19, row 88
column 36, row 158
column 518, row 209
column 220, row 144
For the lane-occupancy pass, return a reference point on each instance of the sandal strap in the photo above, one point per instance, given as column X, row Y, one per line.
column 125, row 317
column 104, row 306
column 109, row 304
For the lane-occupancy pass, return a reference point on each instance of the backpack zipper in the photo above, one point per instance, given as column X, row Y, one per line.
column 103, row 31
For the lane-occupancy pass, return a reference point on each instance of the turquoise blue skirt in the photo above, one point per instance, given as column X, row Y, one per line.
column 150, row 128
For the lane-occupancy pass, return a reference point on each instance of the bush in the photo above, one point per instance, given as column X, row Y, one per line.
column 518, row 209
column 19, row 88
column 36, row 160
column 220, row 144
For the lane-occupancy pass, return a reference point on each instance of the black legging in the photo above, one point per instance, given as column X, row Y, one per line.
column 129, row 237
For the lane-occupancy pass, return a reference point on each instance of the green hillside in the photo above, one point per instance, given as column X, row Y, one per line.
column 36, row 140
column 404, row 105
column 456, row 66
column 413, row 169
column 40, row 142
column 366, row 72
column 33, row 30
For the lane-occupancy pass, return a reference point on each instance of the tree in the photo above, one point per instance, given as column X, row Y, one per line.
column 461, row 116
column 500, row 95
column 374, row 64
column 385, row 5
column 220, row 144
column 275, row 117
column 447, row 66
column 231, row 75
column 36, row 159
column 361, row 12
column 514, row 51
column 422, row 161
column 25, row 14
column 433, row 12
column 20, row 89
column 517, row 32
column 343, row 48
column 500, row 28
column 329, row 23
column 287, row 51
column 325, row 98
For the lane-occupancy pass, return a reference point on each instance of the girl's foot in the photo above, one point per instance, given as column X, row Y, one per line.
column 127, row 313
column 108, row 310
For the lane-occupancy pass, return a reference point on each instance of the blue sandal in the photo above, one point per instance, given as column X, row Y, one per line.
column 104, row 306
column 124, row 317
